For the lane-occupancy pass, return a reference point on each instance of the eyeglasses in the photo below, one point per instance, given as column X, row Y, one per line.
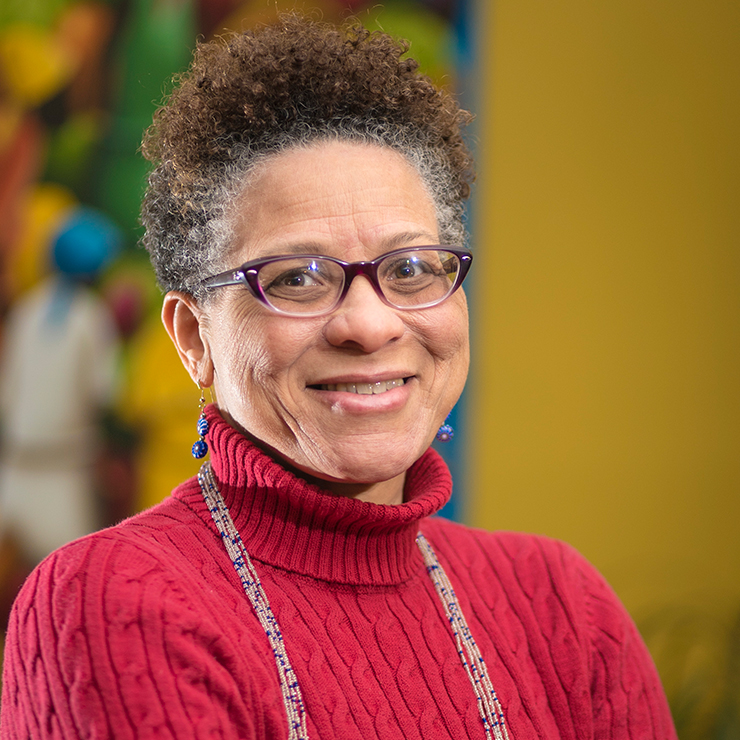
column 312, row 285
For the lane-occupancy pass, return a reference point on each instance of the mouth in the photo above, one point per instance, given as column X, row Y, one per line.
column 364, row 389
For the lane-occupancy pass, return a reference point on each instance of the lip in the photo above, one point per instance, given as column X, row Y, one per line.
column 351, row 402
column 358, row 379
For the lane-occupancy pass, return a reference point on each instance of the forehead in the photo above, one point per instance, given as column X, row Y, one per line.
column 349, row 200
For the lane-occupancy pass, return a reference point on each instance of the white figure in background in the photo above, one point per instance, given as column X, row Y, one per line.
column 57, row 374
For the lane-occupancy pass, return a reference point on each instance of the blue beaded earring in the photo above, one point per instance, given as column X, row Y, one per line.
column 446, row 432
column 200, row 447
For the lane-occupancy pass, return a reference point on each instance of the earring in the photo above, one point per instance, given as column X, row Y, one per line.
column 446, row 432
column 200, row 447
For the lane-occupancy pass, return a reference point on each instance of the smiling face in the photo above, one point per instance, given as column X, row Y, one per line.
column 356, row 396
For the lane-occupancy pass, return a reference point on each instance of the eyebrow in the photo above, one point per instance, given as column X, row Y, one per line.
column 407, row 236
column 394, row 242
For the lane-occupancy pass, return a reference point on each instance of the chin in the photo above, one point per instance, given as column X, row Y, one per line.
column 373, row 466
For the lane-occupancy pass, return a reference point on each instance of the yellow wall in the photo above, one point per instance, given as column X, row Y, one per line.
column 605, row 397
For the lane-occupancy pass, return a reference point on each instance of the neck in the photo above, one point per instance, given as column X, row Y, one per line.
column 300, row 526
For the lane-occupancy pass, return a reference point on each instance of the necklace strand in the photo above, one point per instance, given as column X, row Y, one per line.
column 489, row 706
column 488, row 703
column 292, row 697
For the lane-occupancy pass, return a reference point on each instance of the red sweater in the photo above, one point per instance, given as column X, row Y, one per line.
column 144, row 631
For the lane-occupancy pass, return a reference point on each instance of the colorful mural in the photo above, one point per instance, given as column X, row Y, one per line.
column 79, row 82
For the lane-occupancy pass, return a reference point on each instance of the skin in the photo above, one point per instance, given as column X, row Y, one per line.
column 354, row 202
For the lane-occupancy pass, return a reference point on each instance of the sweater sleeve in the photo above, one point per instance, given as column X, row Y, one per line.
column 626, row 692
column 104, row 642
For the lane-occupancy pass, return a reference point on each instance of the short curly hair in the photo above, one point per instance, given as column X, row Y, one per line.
column 265, row 91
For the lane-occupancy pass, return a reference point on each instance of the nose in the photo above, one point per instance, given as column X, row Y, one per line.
column 363, row 321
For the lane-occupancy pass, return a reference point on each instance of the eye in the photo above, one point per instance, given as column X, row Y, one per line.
column 414, row 278
column 288, row 282
column 406, row 268
column 293, row 276
column 296, row 278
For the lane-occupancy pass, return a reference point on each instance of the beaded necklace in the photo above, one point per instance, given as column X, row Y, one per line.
column 488, row 703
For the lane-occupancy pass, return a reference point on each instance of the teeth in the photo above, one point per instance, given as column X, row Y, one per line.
column 365, row 389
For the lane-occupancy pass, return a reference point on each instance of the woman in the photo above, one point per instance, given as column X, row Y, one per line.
column 305, row 179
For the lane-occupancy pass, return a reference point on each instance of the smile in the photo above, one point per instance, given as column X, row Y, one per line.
column 365, row 389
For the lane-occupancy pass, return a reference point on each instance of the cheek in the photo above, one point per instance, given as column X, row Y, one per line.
column 449, row 345
column 255, row 352
column 238, row 351
column 460, row 359
column 446, row 332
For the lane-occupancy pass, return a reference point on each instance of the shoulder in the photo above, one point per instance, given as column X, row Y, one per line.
column 523, row 554
column 544, row 592
column 535, row 573
column 112, row 564
column 153, row 567
column 103, row 624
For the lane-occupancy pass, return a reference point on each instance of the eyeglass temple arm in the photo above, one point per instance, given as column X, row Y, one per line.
column 466, row 259
column 230, row 277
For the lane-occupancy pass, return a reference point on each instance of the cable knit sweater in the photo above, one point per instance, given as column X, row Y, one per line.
column 144, row 630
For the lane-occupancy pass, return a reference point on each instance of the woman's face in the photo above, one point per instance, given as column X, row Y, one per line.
column 275, row 376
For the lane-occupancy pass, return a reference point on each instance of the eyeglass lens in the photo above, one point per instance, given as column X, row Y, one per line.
column 306, row 285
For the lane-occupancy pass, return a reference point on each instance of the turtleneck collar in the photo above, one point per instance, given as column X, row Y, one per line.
column 295, row 525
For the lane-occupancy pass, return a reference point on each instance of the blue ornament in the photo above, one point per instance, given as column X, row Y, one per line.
column 86, row 243
column 445, row 433
column 202, row 426
column 200, row 448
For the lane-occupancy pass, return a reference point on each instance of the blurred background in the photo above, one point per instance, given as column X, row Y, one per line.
column 604, row 401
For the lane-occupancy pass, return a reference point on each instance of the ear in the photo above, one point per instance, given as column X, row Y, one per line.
column 185, row 322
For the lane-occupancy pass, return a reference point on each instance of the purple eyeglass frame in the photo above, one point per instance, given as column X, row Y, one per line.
column 247, row 275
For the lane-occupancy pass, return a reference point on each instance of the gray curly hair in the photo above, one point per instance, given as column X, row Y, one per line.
column 281, row 87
